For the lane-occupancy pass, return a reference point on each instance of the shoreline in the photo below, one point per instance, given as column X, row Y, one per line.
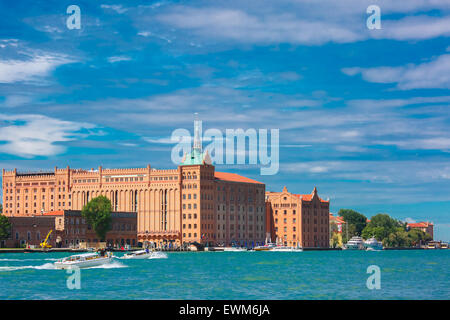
column 21, row 250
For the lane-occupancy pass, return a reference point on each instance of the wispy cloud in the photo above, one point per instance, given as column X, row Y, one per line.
column 31, row 135
column 31, row 70
column 114, row 59
column 115, row 7
column 432, row 74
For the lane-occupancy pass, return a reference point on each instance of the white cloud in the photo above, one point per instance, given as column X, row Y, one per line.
column 114, row 59
column 410, row 220
column 16, row 100
column 238, row 25
column 36, row 135
column 432, row 74
column 30, row 70
column 414, row 28
column 8, row 43
column 117, row 8
column 305, row 22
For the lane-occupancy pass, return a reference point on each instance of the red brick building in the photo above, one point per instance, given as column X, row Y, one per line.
column 427, row 227
column 298, row 219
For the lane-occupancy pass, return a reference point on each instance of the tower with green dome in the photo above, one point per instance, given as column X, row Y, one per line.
column 197, row 156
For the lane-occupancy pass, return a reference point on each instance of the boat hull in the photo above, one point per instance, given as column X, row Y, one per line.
column 83, row 264
column 138, row 257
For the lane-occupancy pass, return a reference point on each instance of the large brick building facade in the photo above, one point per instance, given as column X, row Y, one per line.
column 297, row 219
column 192, row 203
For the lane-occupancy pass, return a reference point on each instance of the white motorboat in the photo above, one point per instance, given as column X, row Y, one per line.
column 267, row 247
column 84, row 260
column 285, row 249
column 234, row 249
column 355, row 243
column 139, row 254
column 373, row 244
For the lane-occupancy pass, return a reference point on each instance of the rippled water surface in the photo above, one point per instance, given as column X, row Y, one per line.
column 421, row 274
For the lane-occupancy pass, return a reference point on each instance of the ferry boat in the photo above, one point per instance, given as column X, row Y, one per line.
column 444, row 245
column 139, row 254
column 373, row 244
column 84, row 260
column 355, row 243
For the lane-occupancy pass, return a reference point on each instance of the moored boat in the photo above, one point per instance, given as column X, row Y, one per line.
column 373, row 244
column 84, row 260
column 234, row 249
column 268, row 246
column 285, row 249
column 355, row 243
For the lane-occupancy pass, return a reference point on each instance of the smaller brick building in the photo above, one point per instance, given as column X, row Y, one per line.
column 70, row 229
column 426, row 227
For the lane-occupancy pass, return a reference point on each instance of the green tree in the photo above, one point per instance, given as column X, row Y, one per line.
column 381, row 226
column 97, row 213
column 417, row 237
column 348, row 231
column 398, row 238
column 1, row 208
column 374, row 231
column 5, row 227
column 354, row 218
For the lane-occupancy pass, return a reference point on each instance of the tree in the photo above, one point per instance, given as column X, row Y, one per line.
column 354, row 218
column 348, row 231
column 381, row 226
column 373, row 231
column 398, row 238
column 417, row 237
column 5, row 227
column 1, row 208
column 97, row 213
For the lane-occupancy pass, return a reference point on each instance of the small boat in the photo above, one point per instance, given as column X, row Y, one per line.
column 139, row 254
column 285, row 249
column 355, row 243
column 234, row 249
column 84, row 260
column 444, row 245
column 433, row 245
column 267, row 247
column 373, row 244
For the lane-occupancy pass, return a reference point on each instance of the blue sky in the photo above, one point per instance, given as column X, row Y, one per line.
column 363, row 114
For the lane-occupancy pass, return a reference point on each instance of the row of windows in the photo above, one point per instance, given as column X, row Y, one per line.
column 10, row 205
column 250, row 217
column 63, row 196
column 35, row 190
column 285, row 220
column 126, row 179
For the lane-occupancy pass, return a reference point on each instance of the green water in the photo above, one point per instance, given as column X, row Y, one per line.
column 421, row 274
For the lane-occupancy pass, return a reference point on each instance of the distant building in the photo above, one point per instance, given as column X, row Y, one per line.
column 423, row 226
column 338, row 221
column 69, row 229
column 336, row 227
column 297, row 219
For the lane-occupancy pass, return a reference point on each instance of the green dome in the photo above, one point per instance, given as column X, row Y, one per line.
column 196, row 157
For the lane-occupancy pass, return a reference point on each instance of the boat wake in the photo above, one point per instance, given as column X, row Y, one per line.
column 46, row 266
column 45, row 259
column 158, row 255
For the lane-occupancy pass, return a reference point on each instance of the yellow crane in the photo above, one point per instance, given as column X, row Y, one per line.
column 44, row 244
